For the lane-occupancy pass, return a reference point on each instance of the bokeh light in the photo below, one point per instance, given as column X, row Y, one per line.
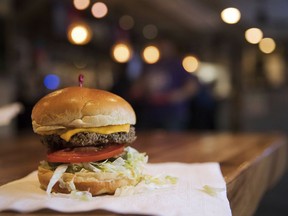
column 253, row 35
column 151, row 54
column 231, row 15
column 126, row 22
column 267, row 45
column 51, row 81
column 122, row 52
column 190, row 63
column 150, row 31
column 81, row 4
column 207, row 72
column 79, row 34
column 99, row 10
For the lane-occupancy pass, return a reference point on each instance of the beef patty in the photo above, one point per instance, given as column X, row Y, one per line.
column 55, row 142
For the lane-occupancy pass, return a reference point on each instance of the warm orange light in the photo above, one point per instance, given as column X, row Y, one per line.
column 151, row 54
column 253, row 35
column 231, row 15
column 79, row 34
column 267, row 45
column 190, row 63
column 99, row 10
column 122, row 52
column 81, row 4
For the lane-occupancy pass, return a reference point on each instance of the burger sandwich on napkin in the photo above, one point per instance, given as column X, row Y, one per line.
column 87, row 133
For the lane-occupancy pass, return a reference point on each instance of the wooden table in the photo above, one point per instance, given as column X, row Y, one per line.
column 250, row 163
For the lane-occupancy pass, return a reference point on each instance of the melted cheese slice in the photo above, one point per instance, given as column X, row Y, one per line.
column 101, row 130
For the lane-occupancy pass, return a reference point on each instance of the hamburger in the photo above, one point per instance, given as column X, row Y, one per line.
column 87, row 133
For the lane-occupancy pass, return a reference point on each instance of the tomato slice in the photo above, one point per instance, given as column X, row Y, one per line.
column 85, row 154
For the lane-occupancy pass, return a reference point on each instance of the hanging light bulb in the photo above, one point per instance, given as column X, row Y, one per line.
column 253, row 35
column 79, row 33
column 81, row 4
column 267, row 45
column 190, row 63
column 99, row 10
column 151, row 54
column 121, row 52
column 231, row 15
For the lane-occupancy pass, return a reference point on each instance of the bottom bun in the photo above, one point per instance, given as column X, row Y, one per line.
column 87, row 181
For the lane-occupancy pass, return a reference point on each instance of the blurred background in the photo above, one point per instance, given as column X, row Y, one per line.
column 199, row 65
column 183, row 65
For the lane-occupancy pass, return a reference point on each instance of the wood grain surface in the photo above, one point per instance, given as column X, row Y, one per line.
column 250, row 163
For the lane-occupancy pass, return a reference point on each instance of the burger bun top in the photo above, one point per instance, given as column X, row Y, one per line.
column 79, row 107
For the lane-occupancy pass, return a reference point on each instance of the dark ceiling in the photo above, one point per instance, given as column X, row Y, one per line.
column 187, row 18
column 204, row 15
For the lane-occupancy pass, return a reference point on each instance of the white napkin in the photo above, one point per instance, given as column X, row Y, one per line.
column 187, row 197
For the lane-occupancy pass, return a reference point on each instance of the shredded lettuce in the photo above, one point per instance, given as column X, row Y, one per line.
column 130, row 165
column 90, row 167
column 69, row 185
column 74, row 193
column 56, row 176
column 78, row 195
column 148, row 183
column 160, row 180
column 212, row 191
column 81, row 195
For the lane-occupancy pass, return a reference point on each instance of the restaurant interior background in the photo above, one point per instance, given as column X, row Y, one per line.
column 236, row 83
column 241, row 87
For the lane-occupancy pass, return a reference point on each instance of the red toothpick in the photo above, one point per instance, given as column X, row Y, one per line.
column 81, row 80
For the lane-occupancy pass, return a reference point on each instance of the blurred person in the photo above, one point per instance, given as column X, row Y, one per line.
column 203, row 109
column 163, row 92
